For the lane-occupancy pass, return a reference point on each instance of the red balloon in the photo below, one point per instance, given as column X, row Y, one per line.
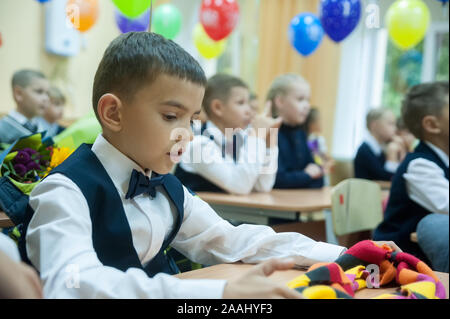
column 219, row 17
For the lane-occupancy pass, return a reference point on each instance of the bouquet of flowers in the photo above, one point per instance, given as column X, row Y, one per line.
column 23, row 165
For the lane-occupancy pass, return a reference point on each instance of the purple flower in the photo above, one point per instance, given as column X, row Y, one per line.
column 22, row 157
column 33, row 166
column 30, row 151
column 20, row 169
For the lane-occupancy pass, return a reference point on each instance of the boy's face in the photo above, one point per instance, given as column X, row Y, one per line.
column 236, row 111
column 294, row 106
column 33, row 99
column 153, row 123
column 54, row 112
column 385, row 127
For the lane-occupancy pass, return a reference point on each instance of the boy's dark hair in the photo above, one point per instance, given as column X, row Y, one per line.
column 135, row 58
column 422, row 100
column 219, row 87
column 23, row 78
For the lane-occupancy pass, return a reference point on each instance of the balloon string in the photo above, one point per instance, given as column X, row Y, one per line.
column 150, row 17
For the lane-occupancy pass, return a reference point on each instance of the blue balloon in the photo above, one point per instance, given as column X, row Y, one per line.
column 339, row 17
column 443, row 1
column 125, row 24
column 305, row 33
column 42, row 1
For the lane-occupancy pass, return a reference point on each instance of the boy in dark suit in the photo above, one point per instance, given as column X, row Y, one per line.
column 30, row 91
column 419, row 200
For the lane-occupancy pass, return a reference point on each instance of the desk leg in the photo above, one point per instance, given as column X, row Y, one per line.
column 331, row 237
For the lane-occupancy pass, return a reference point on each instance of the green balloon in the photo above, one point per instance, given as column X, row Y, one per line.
column 167, row 21
column 132, row 8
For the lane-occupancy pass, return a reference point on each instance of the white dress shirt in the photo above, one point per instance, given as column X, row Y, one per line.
column 426, row 183
column 254, row 170
column 59, row 239
column 377, row 149
column 19, row 117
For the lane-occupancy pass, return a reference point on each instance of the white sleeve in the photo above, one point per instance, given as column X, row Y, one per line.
column 204, row 157
column 268, row 174
column 206, row 238
column 59, row 244
column 427, row 186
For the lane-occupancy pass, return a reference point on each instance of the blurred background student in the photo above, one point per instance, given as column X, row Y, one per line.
column 53, row 113
column 289, row 95
column 380, row 154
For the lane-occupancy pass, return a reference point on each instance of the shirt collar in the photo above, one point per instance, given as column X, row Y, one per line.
column 118, row 166
column 374, row 145
column 19, row 117
column 439, row 152
column 219, row 137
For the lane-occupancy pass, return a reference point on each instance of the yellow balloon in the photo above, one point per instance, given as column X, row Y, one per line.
column 407, row 22
column 207, row 47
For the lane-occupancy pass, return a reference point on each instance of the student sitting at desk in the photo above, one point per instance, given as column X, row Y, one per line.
column 380, row 154
column 289, row 96
column 99, row 225
column 237, row 162
column 30, row 92
column 419, row 200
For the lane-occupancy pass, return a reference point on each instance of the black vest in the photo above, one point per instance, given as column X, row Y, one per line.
column 111, row 233
column 403, row 214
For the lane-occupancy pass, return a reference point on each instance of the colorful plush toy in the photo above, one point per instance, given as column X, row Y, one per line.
column 350, row 273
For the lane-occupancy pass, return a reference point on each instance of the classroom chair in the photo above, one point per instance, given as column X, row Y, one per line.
column 342, row 170
column 356, row 210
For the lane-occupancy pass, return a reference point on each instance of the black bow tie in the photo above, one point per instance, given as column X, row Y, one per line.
column 140, row 184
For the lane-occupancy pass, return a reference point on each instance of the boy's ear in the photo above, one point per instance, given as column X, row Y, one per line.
column 109, row 109
column 430, row 124
column 18, row 93
column 217, row 108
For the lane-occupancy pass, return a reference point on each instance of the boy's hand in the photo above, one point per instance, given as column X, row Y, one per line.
column 18, row 280
column 265, row 121
column 395, row 150
column 314, row 171
column 254, row 284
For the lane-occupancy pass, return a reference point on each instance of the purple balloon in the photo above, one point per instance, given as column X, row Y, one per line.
column 128, row 25
column 339, row 17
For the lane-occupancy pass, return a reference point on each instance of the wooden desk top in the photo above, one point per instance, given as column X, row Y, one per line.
column 304, row 200
column 230, row 271
column 5, row 221
column 277, row 199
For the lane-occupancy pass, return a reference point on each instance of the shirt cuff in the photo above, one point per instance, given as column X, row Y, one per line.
column 325, row 252
column 391, row 167
column 201, row 289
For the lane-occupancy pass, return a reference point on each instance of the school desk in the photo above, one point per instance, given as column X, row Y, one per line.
column 231, row 271
column 279, row 203
column 5, row 221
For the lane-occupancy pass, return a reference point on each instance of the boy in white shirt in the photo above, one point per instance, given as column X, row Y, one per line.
column 419, row 199
column 99, row 224
column 218, row 161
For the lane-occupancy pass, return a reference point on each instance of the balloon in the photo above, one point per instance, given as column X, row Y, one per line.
column 42, row 1
column 305, row 33
column 443, row 1
column 127, row 25
column 407, row 22
column 219, row 17
column 132, row 8
column 166, row 21
column 82, row 13
column 339, row 18
column 207, row 47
